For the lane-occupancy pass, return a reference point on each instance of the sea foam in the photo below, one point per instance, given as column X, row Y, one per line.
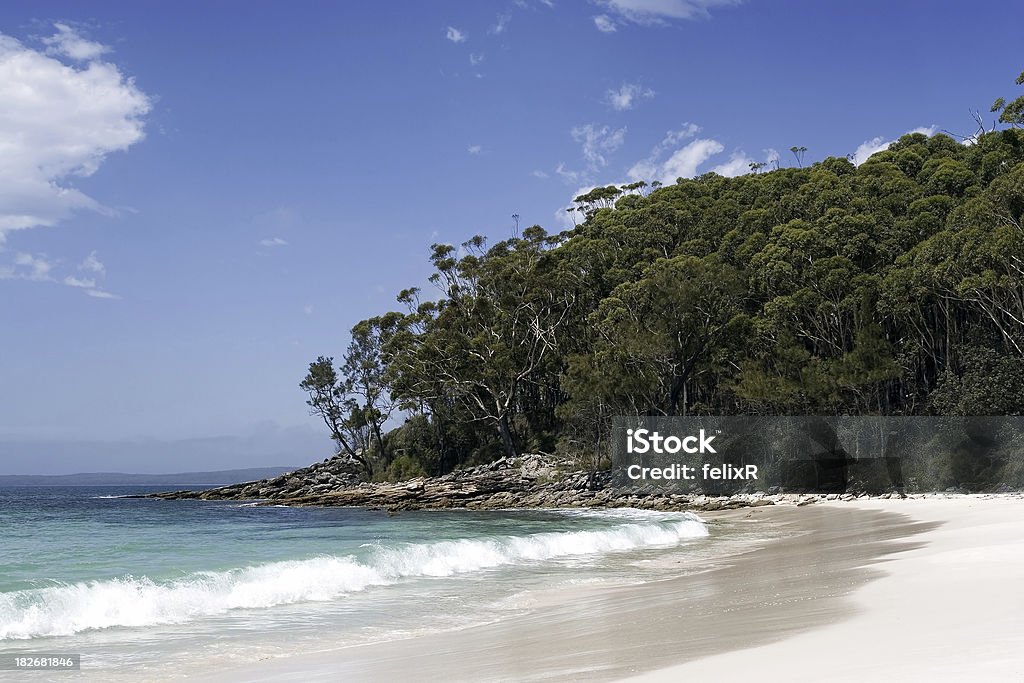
column 68, row 608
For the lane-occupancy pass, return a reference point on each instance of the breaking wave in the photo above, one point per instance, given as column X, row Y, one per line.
column 68, row 608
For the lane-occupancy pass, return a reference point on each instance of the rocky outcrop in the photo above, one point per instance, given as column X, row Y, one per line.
column 528, row 481
column 333, row 474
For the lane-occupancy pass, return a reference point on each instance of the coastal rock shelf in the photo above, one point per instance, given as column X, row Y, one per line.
column 528, row 481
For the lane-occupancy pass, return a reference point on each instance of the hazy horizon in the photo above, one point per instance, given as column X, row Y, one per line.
column 280, row 448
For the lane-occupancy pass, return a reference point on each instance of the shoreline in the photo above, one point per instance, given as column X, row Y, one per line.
column 949, row 609
column 745, row 610
column 525, row 482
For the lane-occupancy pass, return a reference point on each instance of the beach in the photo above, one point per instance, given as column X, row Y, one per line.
column 917, row 589
column 951, row 608
column 924, row 588
column 527, row 341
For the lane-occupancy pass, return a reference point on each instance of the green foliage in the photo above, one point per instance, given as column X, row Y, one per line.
column 985, row 383
column 1011, row 113
column 404, row 467
column 892, row 288
column 355, row 403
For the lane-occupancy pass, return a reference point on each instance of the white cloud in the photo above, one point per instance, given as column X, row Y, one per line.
column 568, row 218
column 739, row 163
column 87, row 283
column 674, row 137
column 308, row 309
column 59, row 121
column 597, row 142
column 36, row 268
column 474, row 149
column 40, row 268
column 604, row 24
column 567, row 175
column 501, row 24
column 540, row 174
column 880, row 144
column 475, row 59
column 455, row 35
column 646, row 170
column 682, row 163
column 273, row 242
column 648, row 12
column 91, row 264
column 67, row 42
column 623, row 98
column 666, row 162
column 869, row 147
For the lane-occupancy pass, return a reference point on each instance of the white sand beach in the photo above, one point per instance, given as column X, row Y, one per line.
column 951, row 609
column 916, row 589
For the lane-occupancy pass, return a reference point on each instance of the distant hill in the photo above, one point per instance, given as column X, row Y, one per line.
column 183, row 479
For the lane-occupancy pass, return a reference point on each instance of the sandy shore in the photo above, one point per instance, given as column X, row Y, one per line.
column 951, row 609
column 920, row 589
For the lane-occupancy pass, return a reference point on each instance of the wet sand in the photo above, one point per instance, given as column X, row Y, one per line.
column 806, row 583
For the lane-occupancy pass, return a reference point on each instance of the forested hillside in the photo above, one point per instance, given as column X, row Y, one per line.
column 892, row 288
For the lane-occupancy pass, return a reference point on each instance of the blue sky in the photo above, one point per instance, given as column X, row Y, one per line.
column 197, row 199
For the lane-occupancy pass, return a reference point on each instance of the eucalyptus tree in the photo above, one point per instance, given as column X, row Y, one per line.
column 1011, row 113
column 893, row 287
column 355, row 402
column 495, row 332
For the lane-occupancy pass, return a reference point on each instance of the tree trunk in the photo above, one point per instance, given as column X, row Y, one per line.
column 506, row 436
column 380, row 445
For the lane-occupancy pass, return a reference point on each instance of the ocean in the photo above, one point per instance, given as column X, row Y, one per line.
column 146, row 589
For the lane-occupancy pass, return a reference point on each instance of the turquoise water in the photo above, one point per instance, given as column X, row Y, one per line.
column 140, row 587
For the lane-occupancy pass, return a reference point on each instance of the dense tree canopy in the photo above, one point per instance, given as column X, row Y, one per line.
column 892, row 288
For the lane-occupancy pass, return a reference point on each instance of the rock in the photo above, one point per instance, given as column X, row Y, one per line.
column 532, row 480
